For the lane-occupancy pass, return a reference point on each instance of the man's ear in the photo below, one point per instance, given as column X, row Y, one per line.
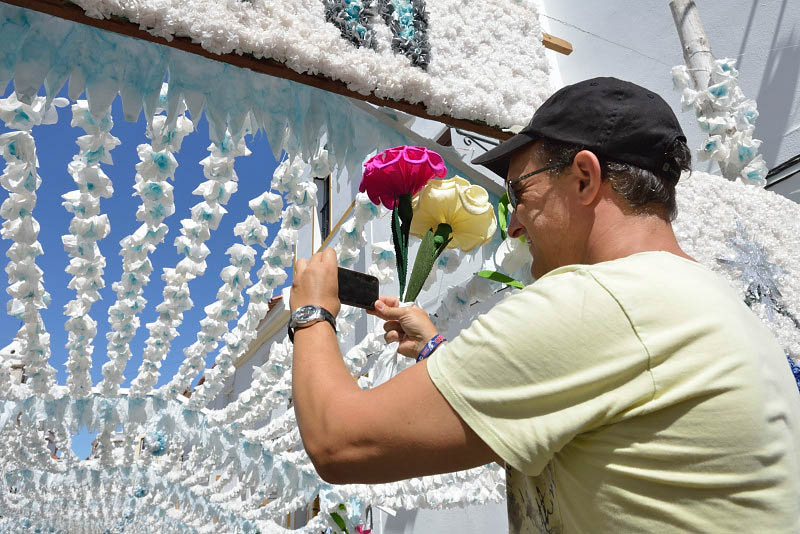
column 588, row 176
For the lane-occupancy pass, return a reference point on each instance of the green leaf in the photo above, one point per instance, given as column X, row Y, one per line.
column 502, row 215
column 422, row 266
column 432, row 246
column 502, row 278
column 339, row 521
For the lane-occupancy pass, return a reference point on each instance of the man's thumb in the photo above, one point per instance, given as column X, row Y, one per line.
column 389, row 313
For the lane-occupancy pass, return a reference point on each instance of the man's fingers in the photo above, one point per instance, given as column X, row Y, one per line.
column 383, row 302
column 299, row 266
column 328, row 255
column 408, row 349
column 392, row 302
column 394, row 332
column 389, row 313
column 394, row 335
column 392, row 325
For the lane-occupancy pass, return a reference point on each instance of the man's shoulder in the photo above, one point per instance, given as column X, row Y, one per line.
column 641, row 273
column 571, row 295
column 640, row 263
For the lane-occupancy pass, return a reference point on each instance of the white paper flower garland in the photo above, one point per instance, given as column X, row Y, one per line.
column 248, row 469
column 156, row 166
column 150, row 503
column 729, row 119
column 383, row 262
column 714, row 215
column 103, row 63
column 486, row 60
column 28, row 295
column 236, row 277
column 287, row 179
column 88, row 226
column 216, row 191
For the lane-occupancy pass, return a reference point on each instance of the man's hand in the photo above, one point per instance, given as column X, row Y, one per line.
column 315, row 281
column 410, row 326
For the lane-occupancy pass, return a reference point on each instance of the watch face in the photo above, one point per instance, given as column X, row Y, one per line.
column 304, row 313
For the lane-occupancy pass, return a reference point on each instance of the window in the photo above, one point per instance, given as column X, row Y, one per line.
column 324, row 205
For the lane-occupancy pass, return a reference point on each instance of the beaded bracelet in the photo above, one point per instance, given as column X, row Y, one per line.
column 431, row 346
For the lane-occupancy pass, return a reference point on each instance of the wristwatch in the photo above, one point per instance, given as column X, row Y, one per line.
column 306, row 316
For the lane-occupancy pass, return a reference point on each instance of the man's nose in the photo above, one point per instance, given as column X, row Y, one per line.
column 515, row 229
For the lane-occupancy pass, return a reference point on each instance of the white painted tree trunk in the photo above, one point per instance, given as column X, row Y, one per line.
column 695, row 45
column 697, row 55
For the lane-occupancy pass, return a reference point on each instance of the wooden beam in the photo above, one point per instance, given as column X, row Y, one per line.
column 556, row 44
column 338, row 225
column 67, row 10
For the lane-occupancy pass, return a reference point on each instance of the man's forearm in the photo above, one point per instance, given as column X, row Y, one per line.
column 320, row 381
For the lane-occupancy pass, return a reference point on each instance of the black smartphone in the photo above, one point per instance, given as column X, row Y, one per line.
column 357, row 289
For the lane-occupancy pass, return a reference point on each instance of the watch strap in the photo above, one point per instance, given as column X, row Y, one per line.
column 324, row 315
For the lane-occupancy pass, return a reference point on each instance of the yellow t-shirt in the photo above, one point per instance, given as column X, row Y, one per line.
column 636, row 395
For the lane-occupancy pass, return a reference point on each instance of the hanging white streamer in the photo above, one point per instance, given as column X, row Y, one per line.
column 302, row 198
column 156, row 167
column 21, row 179
column 729, row 119
column 206, row 215
column 88, row 226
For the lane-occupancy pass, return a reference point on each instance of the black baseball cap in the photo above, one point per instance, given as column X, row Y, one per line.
column 617, row 120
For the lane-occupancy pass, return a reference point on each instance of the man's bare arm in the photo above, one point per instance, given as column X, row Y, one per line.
column 401, row 429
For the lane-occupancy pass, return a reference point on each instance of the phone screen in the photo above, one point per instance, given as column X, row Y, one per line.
column 357, row 289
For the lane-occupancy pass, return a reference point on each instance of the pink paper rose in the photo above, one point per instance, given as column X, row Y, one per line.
column 402, row 170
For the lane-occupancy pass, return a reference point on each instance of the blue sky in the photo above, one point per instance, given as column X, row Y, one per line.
column 56, row 146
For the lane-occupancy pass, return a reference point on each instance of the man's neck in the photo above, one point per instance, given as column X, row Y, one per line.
column 629, row 235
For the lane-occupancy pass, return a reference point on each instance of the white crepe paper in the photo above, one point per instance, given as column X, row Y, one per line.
column 26, row 285
column 205, row 217
column 729, row 119
column 86, row 228
column 156, row 166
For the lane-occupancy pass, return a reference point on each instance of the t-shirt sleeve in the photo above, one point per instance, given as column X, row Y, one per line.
column 543, row 366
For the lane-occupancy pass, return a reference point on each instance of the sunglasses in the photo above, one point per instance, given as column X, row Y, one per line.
column 512, row 196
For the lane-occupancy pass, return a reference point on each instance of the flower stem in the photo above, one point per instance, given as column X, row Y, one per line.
column 401, row 226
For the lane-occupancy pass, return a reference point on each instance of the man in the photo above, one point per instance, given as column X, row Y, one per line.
column 627, row 390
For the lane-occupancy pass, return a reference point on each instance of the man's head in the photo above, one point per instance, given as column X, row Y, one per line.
column 609, row 149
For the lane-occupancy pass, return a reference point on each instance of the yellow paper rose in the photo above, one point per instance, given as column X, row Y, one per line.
column 464, row 206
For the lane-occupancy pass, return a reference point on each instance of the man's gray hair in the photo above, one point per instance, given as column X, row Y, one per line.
column 647, row 192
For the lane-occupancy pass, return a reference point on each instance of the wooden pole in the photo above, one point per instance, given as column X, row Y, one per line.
column 335, row 229
column 67, row 10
